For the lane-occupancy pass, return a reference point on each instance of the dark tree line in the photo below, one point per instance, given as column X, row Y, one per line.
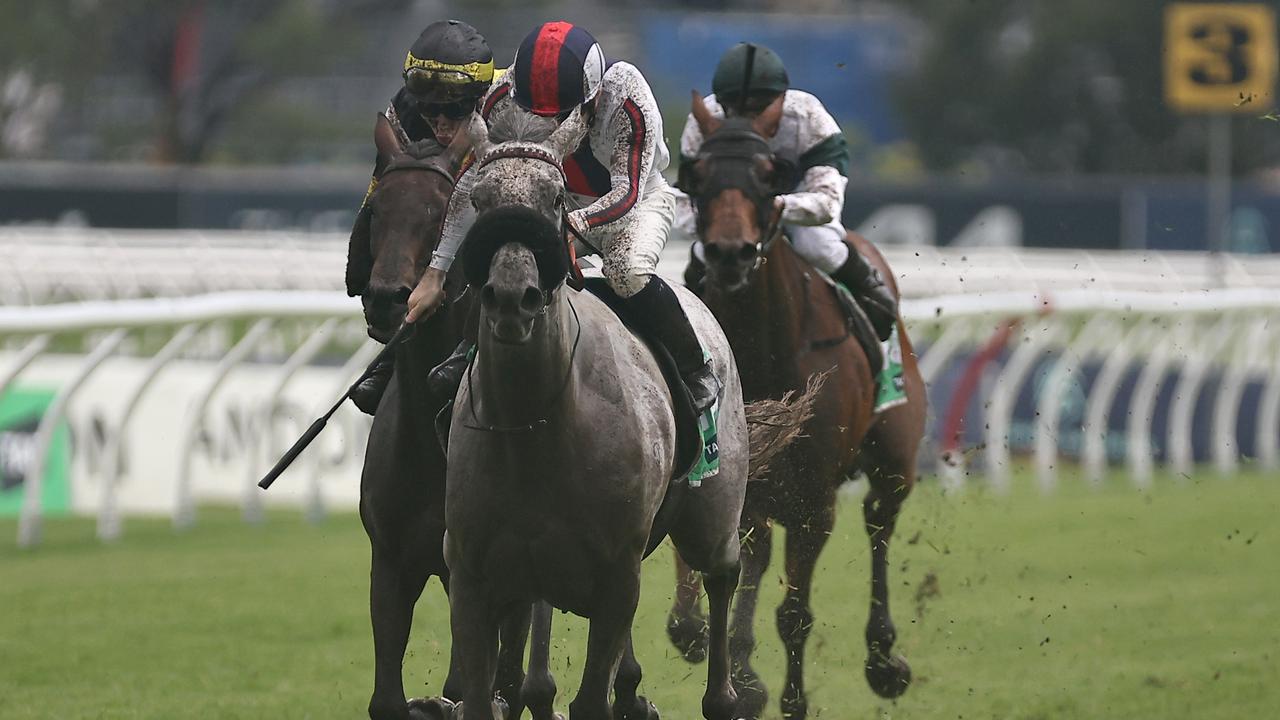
column 1042, row 86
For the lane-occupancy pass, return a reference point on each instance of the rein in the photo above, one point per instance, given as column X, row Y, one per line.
column 426, row 165
column 551, row 404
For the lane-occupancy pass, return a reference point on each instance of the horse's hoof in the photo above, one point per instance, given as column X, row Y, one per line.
column 642, row 709
column 649, row 711
column 889, row 677
column 430, row 709
column 689, row 635
column 752, row 698
column 795, row 708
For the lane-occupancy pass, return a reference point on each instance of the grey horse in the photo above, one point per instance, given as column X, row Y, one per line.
column 562, row 445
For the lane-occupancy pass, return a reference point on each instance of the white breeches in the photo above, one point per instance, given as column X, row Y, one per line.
column 631, row 246
column 822, row 245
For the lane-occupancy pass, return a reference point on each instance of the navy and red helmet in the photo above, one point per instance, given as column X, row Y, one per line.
column 558, row 67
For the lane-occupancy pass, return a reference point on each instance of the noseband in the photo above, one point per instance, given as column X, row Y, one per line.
column 734, row 150
column 537, row 152
column 427, row 164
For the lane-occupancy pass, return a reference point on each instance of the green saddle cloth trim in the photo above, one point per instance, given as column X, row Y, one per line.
column 709, row 462
column 890, row 389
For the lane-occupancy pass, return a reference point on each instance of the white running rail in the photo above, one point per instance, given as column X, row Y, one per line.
column 1235, row 330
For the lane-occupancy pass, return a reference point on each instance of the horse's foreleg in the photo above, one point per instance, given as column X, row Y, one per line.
column 720, row 700
column 887, row 674
column 394, row 587
column 475, row 643
column 539, row 691
column 757, row 548
column 510, row 677
column 627, row 705
column 610, row 628
column 795, row 618
column 686, row 625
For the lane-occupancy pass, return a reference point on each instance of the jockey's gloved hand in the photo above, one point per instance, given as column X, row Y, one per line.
column 578, row 222
column 427, row 297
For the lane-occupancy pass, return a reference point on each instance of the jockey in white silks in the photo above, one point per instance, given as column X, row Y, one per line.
column 747, row 80
column 626, row 206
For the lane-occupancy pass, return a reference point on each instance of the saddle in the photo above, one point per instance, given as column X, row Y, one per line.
column 858, row 323
column 688, row 437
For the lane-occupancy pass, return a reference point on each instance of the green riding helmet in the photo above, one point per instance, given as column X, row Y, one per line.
column 749, row 72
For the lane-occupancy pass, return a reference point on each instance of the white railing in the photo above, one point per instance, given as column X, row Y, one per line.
column 157, row 378
column 43, row 265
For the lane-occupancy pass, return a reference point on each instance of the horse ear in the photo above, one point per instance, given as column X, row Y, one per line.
column 478, row 135
column 384, row 138
column 568, row 136
column 702, row 115
column 766, row 123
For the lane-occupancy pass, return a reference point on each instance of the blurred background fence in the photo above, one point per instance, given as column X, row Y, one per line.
column 177, row 367
column 177, row 179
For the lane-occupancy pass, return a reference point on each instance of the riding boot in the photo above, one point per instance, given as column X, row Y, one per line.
column 657, row 311
column 695, row 273
column 368, row 393
column 443, row 380
column 869, row 288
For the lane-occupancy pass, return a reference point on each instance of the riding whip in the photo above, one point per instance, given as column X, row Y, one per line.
column 402, row 333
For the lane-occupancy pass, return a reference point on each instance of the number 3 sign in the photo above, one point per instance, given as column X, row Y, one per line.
column 1219, row 57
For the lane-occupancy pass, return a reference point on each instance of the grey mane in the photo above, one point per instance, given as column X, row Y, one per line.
column 522, row 127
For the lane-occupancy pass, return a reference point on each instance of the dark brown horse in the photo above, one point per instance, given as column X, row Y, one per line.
column 785, row 325
column 402, row 486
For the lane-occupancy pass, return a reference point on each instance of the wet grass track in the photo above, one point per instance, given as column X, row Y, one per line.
column 1106, row 603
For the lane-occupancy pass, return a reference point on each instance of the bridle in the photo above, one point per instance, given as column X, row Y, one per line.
column 428, row 164
column 533, row 152
column 525, row 151
column 739, row 144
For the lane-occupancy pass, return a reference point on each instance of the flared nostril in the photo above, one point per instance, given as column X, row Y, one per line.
column 712, row 252
column 748, row 251
column 401, row 296
column 531, row 300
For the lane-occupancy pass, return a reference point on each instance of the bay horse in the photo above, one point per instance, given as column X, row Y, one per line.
column 402, row 483
column 562, row 446
column 785, row 325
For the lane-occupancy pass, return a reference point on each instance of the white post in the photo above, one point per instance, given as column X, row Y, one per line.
column 1100, row 332
column 251, row 507
column 184, row 513
column 1181, row 454
column 1226, row 406
column 1034, row 340
column 109, row 524
column 1101, row 395
column 29, row 352
column 33, row 482
column 1140, row 453
column 1218, row 206
column 353, row 367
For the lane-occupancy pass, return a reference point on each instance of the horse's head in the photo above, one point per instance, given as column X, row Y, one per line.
column 519, row 162
column 732, row 183
column 408, row 208
column 515, row 251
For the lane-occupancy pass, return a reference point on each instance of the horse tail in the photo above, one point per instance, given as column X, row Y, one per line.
column 773, row 424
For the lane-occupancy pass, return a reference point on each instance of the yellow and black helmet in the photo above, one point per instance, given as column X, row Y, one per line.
column 449, row 62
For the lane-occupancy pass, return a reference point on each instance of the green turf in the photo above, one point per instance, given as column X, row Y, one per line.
column 1108, row 603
